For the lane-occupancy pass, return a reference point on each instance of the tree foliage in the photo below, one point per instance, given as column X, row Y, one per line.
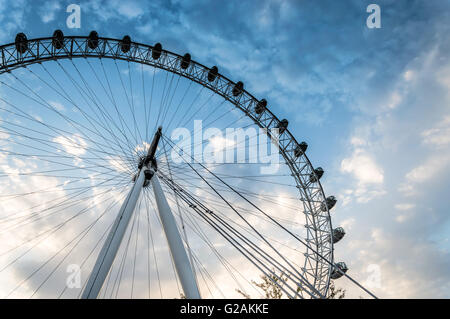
column 272, row 285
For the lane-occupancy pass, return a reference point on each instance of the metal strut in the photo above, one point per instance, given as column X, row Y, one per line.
column 109, row 250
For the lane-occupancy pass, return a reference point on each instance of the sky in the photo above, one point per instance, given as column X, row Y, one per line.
column 373, row 105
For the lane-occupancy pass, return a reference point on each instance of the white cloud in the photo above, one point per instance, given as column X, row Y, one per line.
column 357, row 141
column 58, row 106
column 130, row 9
column 443, row 76
column 409, row 75
column 428, row 170
column 74, row 145
column 145, row 29
column 347, row 224
column 48, row 11
column 404, row 206
column 118, row 164
column 439, row 135
column 12, row 17
column 406, row 209
column 115, row 9
column 402, row 218
column 431, row 168
column 437, row 161
column 363, row 167
column 220, row 143
column 394, row 100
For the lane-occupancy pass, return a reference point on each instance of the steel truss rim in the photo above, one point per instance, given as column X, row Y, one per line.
column 42, row 50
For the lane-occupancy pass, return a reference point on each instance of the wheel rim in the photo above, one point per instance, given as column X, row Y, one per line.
column 318, row 222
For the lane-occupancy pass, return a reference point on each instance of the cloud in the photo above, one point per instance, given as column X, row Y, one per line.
column 404, row 273
column 74, row 145
column 12, row 18
column 367, row 100
column 348, row 224
column 58, row 106
column 363, row 167
column 437, row 161
column 48, row 11
column 394, row 100
column 439, row 135
column 406, row 214
column 115, row 9
column 404, row 206
column 428, row 170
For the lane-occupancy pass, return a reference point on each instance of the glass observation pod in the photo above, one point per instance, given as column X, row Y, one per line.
column 340, row 269
column 329, row 202
column 338, row 233
column 300, row 149
column 316, row 175
column 282, row 126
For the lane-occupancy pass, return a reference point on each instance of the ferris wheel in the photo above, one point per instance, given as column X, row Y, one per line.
column 91, row 177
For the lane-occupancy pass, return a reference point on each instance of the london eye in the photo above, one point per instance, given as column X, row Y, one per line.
column 97, row 177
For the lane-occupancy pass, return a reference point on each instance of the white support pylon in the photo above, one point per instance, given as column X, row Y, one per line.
column 111, row 246
column 180, row 258
column 112, row 243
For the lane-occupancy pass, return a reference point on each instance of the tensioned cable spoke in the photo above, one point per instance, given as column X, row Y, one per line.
column 122, row 264
column 169, row 101
column 151, row 100
column 181, row 216
column 218, row 203
column 48, row 106
column 53, row 229
column 161, row 100
column 54, row 129
column 67, row 97
column 150, row 237
column 57, row 228
column 193, row 225
column 111, row 97
column 170, row 255
column 102, row 109
column 83, row 94
column 293, row 235
column 135, row 247
column 128, row 101
column 110, row 143
column 262, row 266
column 251, row 245
column 67, row 197
column 83, row 235
column 90, row 253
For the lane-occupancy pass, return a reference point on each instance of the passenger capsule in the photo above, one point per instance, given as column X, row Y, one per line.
column 212, row 74
column 336, row 274
column 58, row 39
column 125, row 44
column 300, row 149
column 185, row 61
column 157, row 50
column 338, row 233
column 329, row 202
column 21, row 43
column 261, row 106
column 93, row 40
column 237, row 89
column 282, row 126
column 316, row 175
